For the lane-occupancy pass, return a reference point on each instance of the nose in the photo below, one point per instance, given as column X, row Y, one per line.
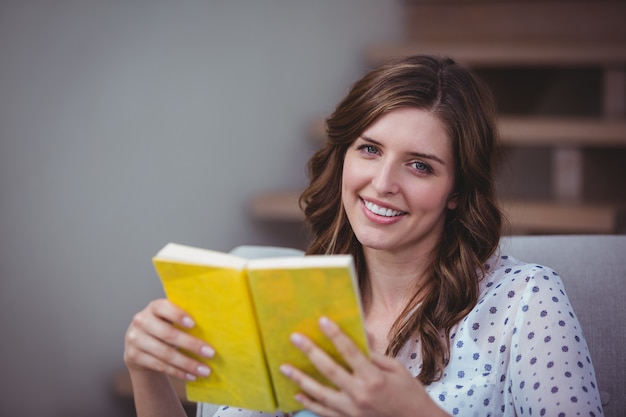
column 385, row 179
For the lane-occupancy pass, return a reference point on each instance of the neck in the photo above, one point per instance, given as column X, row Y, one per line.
column 392, row 281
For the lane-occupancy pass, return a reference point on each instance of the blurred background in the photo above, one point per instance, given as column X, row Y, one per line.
column 126, row 125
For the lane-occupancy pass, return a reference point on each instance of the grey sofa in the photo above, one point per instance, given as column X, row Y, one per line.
column 593, row 269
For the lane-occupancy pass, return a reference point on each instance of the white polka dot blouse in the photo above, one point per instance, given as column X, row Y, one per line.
column 519, row 352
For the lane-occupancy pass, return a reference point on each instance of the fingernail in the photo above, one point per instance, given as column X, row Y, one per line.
column 207, row 352
column 326, row 324
column 285, row 369
column 191, row 377
column 204, row 370
column 296, row 339
column 188, row 322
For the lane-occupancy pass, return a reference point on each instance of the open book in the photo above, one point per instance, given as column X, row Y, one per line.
column 247, row 309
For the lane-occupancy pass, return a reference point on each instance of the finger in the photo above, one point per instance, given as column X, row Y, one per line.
column 173, row 336
column 148, row 352
column 325, row 364
column 152, row 363
column 153, row 342
column 168, row 311
column 386, row 363
column 345, row 346
column 153, row 323
column 318, row 398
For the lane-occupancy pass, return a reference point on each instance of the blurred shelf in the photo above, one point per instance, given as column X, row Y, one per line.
column 518, row 53
column 546, row 131
column 538, row 217
column 587, row 20
column 551, row 131
column 523, row 216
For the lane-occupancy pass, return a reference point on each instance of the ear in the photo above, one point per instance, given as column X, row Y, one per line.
column 453, row 201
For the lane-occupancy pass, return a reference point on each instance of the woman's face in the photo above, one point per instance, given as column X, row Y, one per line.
column 397, row 180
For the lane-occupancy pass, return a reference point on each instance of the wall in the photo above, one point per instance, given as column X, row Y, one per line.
column 125, row 125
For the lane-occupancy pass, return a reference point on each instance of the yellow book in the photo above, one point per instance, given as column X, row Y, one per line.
column 247, row 309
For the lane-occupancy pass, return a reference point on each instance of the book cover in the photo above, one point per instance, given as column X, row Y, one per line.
column 247, row 309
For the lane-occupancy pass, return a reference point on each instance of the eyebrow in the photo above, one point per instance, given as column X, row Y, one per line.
column 415, row 154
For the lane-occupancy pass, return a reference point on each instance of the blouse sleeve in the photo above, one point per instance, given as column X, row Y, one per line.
column 550, row 370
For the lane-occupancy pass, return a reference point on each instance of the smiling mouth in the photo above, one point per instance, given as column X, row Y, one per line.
column 381, row 211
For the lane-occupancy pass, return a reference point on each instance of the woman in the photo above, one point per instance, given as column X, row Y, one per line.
column 405, row 185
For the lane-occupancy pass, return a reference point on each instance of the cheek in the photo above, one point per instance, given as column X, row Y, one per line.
column 350, row 175
column 434, row 197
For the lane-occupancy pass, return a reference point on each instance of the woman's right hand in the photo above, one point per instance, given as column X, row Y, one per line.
column 155, row 342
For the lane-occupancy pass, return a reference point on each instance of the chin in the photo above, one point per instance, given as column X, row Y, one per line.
column 376, row 243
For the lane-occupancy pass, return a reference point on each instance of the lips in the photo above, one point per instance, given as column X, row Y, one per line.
column 382, row 211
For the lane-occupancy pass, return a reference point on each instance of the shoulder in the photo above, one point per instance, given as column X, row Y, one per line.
column 514, row 277
column 517, row 288
column 529, row 295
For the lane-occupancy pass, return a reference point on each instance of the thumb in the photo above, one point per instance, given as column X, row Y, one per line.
column 385, row 362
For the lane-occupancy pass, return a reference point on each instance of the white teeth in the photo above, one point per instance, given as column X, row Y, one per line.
column 381, row 211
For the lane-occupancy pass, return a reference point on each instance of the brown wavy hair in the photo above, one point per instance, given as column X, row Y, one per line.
column 472, row 230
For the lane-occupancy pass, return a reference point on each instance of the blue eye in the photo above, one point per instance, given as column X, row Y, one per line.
column 421, row 166
column 368, row 148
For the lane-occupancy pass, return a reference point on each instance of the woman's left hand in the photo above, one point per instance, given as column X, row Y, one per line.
column 376, row 386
